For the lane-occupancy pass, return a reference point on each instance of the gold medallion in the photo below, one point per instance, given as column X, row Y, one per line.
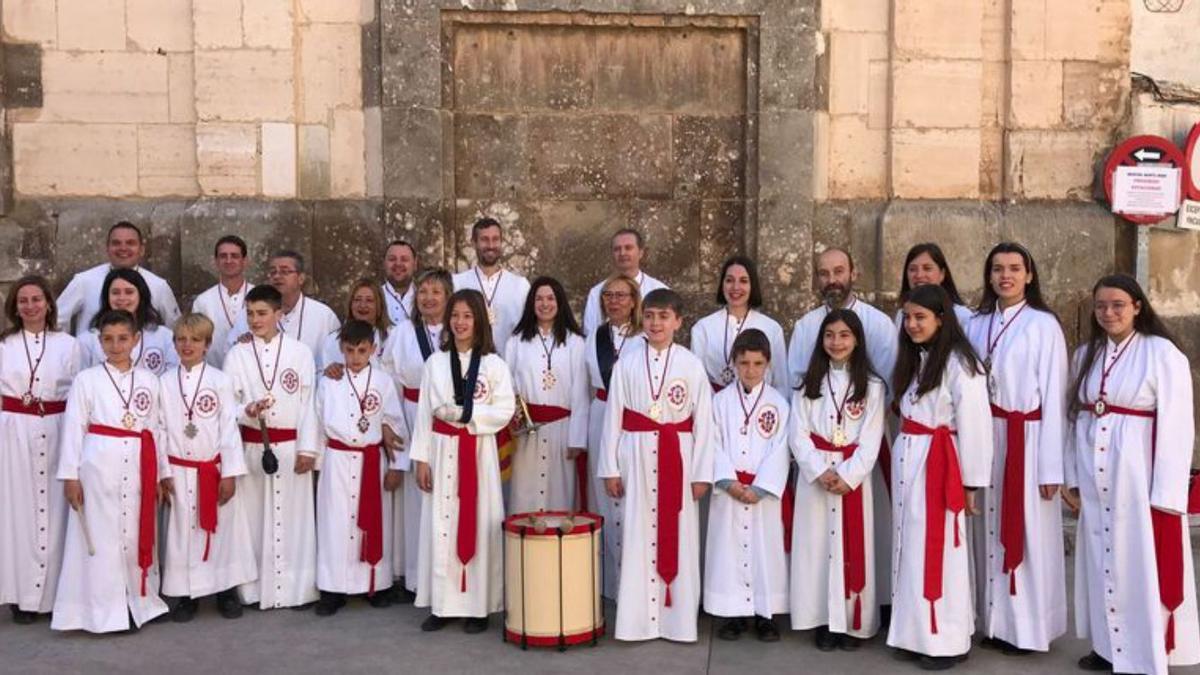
column 839, row 437
column 1100, row 408
column 190, row 430
column 364, row 424
column 27, row 399
column 268, row 400
column 655, row 411
column 548, row 380
column 128, row 420
column 491, row 316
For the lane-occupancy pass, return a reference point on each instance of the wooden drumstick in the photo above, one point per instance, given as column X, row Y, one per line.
column 87, row 533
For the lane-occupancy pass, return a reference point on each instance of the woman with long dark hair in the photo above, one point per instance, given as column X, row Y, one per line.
column 126, row 289
column 365, row 303
column 926, row 264
column 740, row 298
column 617, row 335
column 550, row 376
column 836, row 425
column 1019, row 548
column 37, row 365
column 466, row 398
column 942, row 455
column 1132, row 430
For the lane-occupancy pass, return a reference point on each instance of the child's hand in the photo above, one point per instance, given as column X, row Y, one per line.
column 226, row 490
column 699, row 490
column 424, row 477
column 166, row 491
column 305, row 463
column 73, row 490
column 614, row 488
column 334, row 371
column 392, row 480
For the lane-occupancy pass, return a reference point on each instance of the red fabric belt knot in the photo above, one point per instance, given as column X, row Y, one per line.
column 370, row 503
column 468, row 492
column 40, row 408
column 853, row 536
column 148, row 473
column 208, row 484
column 1012, row 495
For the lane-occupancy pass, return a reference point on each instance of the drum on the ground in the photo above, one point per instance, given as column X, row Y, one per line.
column 552, row 579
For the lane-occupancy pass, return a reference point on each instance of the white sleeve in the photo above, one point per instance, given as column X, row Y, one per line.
column 69, row 303
column 772, row 472
column 608, row 464
column 421, row 448
column 74, row 429
column 489, row 418
column 1176, row 430
column 972, row 422
column 580, row 397
column 309, row 440
column 810, row 461
column 1052, row 373
column 702, row 431
column 858, row 466
column 229, row 436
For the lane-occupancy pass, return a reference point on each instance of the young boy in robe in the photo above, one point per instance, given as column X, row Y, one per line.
column 657, row 457
column 208, row 548
column 745, row 569
column 358, row 412
column 111, row 465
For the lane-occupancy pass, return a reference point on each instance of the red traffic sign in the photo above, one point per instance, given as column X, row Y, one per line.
column 1144, row 151
column 1191, row 180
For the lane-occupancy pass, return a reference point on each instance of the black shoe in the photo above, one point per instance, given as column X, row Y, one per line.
column 475, row 624
column 732, row 629
column 184, row 610
column 885, row 617
column 21, row 617
column 434, row 622
column 1006, row 648
column 401, row 595
column 825, row 640
column 904, row 655
column 925, row 662
column 228, row 604
column 766, row 629
column 330, row 603
column 380, row 600
column 1095, row 662
column 849, row 643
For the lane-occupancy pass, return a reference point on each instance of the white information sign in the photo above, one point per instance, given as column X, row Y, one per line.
column 1146, row 190
column 1189, row 215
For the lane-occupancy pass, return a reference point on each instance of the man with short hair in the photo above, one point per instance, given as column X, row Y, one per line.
column 80, row 300
column 503, row 290
column 223, row 302
column 628, row 251
column 400, row 265
column 305, row 319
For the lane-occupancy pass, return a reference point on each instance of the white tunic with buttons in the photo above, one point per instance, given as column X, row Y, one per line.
column 408, row 367
column 684, row 391
column 745, row 568
column 1029, row 371
column 505, row 293
column 1122, row 474
column 339, row 487
column 543, row 479
column 230, row 551
column 818, row 588
column 439, row 586
column 155, row 350
column 310, row 322
column 99, row 593
column 712, row 342
column 279, row 507
column 959, row 402
column 399, row 305
column 223, row 309
column 598, row 500
column 33, row 511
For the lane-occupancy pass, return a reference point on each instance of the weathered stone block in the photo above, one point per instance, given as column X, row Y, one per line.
column 520, row 220
column 566, row 161
column 267, row 226
column 958, row 227
column 1095, row 95
column 267, row 24
column 722, row 234
column 1072, row 243
column 227, row 158
column 1028, row 29
column 330, row 70
column 851, row 60
column 788, row 68
column 938, row 29
column 218, row 23
column 314, row 161
column 858, row 159
column 348, row 245
column 167, row 159
column 862, row 16
column 244, row 85
column 154, row 25
column 422, row 222
column 1051, row 164
column 412, row 64
column 491, row 157
column 935, row 164
column 937, row 94
column 348, row 154
column 373, row 133
column 785, row 256
column 371, row 55
column 854, row 226
column 31, row 21
column 181, row 87
column 75, row 159
column 23, row 76
column 1037, row 94
column 785, row 149
column 709, row 156
column 105, row 87
column 663, row 223
column 412, row 153
column 336, row 11
column 279, row 159
column 1073, row 30
column 91, row 24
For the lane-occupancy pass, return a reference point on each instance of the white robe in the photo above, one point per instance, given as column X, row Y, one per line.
column 33, row 511
column 598, row 500
column 712, row 342
column 223, row 310
column 279, row 508
column 399, row 306
column 818, row 589
column 1120, row 479
column 339, row 487
column 959, row 402
column 230, row 552
column 155, row 350
column 80, row 300
column 543, row 479
column 1029, row 371
column 593, row 312
column 310, row 321
column 99, row 593
column 642, row 613
column 745, row 568
column 408, row 368
column 441, row 575
column 505, row 292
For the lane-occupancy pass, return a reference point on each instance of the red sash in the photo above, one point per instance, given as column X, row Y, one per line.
column 670, row 488
column 944, row 492
column 208, row 484
column 468, row 492
column 148, row 473
column 1168, row 536
column 853, row 537
column 254, row 435
column 1012, row 496
column 602, row 395
column 545, row 414
column 412, row 395
column 40, row 408
column 370, row 504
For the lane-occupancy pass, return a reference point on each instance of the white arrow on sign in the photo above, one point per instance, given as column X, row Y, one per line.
column 1144, row 154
